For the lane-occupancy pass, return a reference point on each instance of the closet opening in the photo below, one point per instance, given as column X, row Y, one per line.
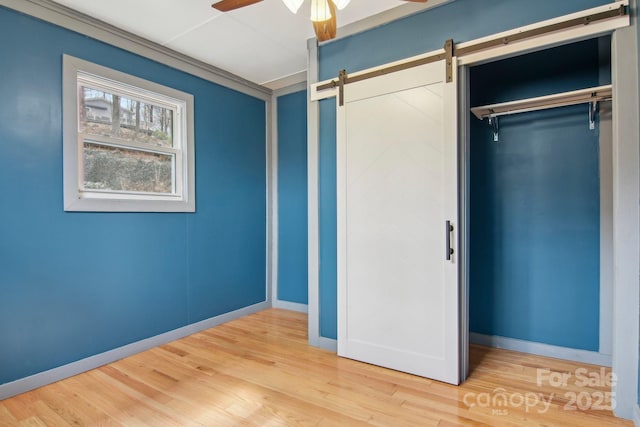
column 539, row 207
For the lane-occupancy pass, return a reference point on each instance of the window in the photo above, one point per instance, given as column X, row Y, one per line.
column 128, row 142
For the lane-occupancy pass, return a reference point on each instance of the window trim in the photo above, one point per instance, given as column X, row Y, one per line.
column 78, row 199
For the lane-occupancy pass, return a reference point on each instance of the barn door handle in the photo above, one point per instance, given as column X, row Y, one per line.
column 449, row 249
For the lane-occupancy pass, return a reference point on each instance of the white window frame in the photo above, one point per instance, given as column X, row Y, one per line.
column 77, row 72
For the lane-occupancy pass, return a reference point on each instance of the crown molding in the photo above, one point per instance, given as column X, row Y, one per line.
column 296, row 87
column 55, row 13
column 285, row 82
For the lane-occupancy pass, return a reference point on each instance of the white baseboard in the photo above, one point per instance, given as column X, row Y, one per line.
column 636, row 415
column 584, row 356
column 293, row 306
column 56, row 374
column 328, row 344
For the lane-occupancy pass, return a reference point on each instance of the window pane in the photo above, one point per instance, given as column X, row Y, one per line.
column 117, row 169
column 107, row 114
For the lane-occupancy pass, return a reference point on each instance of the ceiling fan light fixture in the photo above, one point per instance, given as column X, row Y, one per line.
column 293, row 5
column 341, row 4
column 320, row 10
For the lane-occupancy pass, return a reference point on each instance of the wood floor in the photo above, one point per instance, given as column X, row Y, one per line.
column 259, row 371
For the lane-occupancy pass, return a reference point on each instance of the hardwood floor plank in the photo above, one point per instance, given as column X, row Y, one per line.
column 6, row 418
column 47, row 415
column 19, row 406
column 70, row 407
column 260, row 371
column 32, row 422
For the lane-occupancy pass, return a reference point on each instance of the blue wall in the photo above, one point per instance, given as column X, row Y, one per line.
column 328, row 221
column 292, row 198
column 460, row 20
column 535, row 204
column 74, row 285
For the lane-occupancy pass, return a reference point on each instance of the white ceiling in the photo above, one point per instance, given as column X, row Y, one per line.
column 262, row 43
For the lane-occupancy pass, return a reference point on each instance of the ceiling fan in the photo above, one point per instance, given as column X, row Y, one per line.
column 323, row 12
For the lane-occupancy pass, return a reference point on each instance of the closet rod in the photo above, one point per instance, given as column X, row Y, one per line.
column 582, row 96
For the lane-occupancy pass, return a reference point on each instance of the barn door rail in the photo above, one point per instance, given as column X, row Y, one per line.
column 616, row 13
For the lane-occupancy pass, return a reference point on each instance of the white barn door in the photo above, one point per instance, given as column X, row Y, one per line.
column 398, row 294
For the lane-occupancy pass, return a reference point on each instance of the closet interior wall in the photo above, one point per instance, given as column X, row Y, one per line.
column 535, row 203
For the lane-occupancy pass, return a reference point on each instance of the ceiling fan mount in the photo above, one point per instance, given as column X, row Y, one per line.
column 324, row 23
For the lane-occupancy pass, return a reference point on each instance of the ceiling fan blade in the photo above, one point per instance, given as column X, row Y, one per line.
column 418, row 1
column 326, row 30
column 227, row 5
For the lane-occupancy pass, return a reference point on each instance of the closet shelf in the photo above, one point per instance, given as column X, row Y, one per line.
column 589, row 95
